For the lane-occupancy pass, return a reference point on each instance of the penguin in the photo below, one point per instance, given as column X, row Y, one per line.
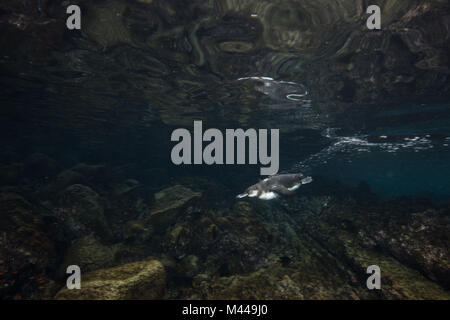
column 274, row 186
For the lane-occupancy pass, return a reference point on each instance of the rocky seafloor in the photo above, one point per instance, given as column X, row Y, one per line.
column 189, row 238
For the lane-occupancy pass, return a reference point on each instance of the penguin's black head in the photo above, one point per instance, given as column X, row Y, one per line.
column 250, row 192
column 253, row 191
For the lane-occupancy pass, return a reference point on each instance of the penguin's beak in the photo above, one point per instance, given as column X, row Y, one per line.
column 242, row 195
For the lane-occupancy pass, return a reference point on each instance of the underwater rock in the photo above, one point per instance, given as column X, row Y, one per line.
column 243, row 240
column 61, row 182
column 275, row 282
column 137, row 280
column 27, row 254
column 126, row 253
column 312, row 206
column 124, row 202
column 327, row 256
column 169, row 204
column 419, row 240
column 409, row 248
column 104, row 24
column 127, row 216
column 81, row 209
column 137, row 232
column 204, row 243
column 398, row 280
column 300, row 256
column 125, row 187
column 199, row 278
column 190, row 265
column 89, row 254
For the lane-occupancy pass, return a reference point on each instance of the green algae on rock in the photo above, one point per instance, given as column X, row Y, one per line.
column 132, row 281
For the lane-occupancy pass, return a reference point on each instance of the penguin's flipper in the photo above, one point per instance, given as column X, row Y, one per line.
column 242, row 195
column 282, row 190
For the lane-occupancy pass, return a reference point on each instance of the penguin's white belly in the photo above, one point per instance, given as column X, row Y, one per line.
column 268, row 195
column 295, row 187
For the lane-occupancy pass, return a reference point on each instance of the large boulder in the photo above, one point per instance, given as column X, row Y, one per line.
column 135, row 231
column 137, row 280
column 204, row 243
column 81, row 209
column 89, row 254
column 27, row 253
column 419, row 240
column 408, row 246
column 169, row 204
